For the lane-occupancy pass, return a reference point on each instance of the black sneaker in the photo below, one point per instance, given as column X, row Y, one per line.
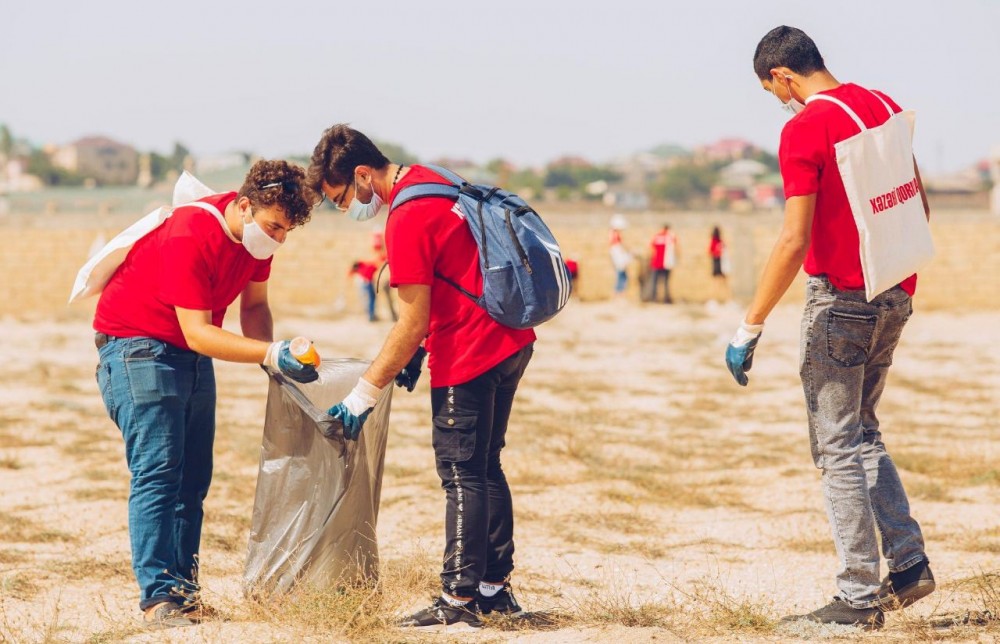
column 503, row 603
column 901, row 589
column 840, row 612
column 442, row 615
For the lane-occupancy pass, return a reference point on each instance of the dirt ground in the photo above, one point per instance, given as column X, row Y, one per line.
column 655, row 499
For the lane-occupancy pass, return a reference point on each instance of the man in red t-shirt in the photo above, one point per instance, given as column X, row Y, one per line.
column 158, row 325
column 847, row 342
column 364, row 272
column 662, row 261
column 475, row 364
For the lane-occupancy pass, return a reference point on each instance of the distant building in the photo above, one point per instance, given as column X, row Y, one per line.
column 14, row 177
column 104, row 160
column 626, row 199
column 724, row 150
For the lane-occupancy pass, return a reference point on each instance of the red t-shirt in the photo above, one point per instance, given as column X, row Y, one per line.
column 429, row 236
column 190, row 262
column 664, row 254
column 809, row 165
column 716, row 248
column 365, row 270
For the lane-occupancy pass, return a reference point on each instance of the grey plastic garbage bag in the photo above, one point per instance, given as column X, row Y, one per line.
column 317, row 499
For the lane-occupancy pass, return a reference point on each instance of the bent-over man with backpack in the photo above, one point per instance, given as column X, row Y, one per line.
column 438, row 265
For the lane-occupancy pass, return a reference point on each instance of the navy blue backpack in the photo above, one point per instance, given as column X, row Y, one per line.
column 525, row 280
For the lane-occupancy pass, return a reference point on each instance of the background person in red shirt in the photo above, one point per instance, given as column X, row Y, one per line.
column 475, row 364
column 847, row 342
column 717, row 251
column 662, row 261
column 365, row 273
column 158, row 325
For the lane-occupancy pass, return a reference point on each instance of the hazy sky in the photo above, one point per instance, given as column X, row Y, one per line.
column 527, row 80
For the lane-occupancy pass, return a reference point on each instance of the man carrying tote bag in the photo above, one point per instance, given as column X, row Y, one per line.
column 856, row 219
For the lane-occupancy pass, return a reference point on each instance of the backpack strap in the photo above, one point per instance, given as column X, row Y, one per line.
column 448, row 174
column 421, row 190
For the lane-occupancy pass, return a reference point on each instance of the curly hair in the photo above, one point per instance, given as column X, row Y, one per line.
column 342, row 149
column 280, row 183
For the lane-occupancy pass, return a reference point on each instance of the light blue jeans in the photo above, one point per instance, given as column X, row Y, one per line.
column 163, row 400
column 846, row 350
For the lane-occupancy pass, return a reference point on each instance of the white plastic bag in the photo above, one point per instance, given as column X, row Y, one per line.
column 95, row 274
column 877, row 168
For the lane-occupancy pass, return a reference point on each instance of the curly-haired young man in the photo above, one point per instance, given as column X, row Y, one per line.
column 159, row 325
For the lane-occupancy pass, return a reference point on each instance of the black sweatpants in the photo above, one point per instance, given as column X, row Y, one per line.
column 470, row 426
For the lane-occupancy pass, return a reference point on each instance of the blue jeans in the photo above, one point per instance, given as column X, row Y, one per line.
column 621, row 281
column 368, row 292
column 163, row 400
column 846, row 350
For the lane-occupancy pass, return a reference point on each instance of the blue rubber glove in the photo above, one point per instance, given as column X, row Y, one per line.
column 411, row 372
column 352, row 424
column 739, row 353
column 353, row 411
column 281, row 359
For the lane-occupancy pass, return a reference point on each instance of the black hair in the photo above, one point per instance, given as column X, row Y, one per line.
column 716, row 234
column 339, row 151
column 787, row 47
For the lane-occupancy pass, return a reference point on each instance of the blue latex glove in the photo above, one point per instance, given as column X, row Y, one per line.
column 739, row 353
column 411, row 372
column 352, row 424
column 353, row 410
column 281, row 359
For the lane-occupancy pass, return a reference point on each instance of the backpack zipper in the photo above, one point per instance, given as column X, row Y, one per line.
column 517, row 242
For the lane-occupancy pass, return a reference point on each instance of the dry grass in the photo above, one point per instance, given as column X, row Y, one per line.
column 363, row 610
column 718, row 612
column 19, row 586
column 10, row 462
column 14, row 528
column 819, row 546
column 102, row 493
column 16, row 438
column 961, row 469
column 116, row 568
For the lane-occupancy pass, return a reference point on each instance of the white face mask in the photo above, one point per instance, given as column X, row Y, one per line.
column 363, row 211
column 793, row 106
column 255, row 240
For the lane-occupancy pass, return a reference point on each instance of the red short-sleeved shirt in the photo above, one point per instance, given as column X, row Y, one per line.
column 365, row 270
column 716, row 247
column 663, row 250
column 429, row 236
column 809, row 165
column 190, row 262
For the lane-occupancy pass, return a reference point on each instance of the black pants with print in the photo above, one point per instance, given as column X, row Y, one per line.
column 470, row 424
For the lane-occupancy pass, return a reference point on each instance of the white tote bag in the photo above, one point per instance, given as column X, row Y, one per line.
column 95, row 274
column 877, row 168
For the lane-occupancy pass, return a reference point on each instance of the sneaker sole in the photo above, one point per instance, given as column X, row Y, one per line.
column 458, row 627
column 907, row 596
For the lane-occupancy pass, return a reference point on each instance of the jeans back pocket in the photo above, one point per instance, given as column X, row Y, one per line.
column 849, row 336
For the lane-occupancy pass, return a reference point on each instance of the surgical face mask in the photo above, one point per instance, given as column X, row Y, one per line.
column 792, row 106
column 363, row 211
column 255, row 240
